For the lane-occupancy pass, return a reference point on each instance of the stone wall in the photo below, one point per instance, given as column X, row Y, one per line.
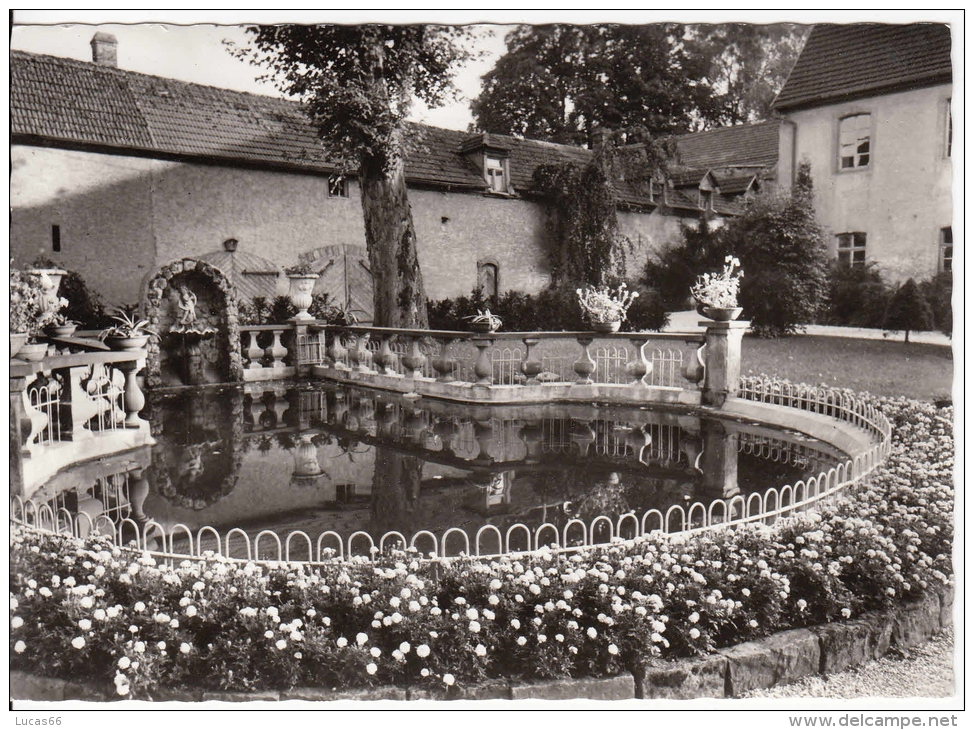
column 121, row 218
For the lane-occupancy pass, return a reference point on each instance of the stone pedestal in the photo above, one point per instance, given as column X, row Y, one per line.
column 723, row 356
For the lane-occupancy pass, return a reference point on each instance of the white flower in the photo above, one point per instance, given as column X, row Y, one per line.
column 448, row 680
column 139, row 647
column 752, row 623
column 84, row 624
column 846, row 613
column 424, row 672
column 185, row 648
column 375, row 651
column 694, row 617
column 481, row 650
column 521, row 641
column 515, row 624
column 139, row 607
column 45, row 591
column 78, row 642
column 361, row 638
column 268, row 634
column 694, row 633
column 87, row 602
column 474, row 627
column 161, row 646
column 281, row 644
column 592, row 633
column 20, row 647
column 422, row 651
column 16, row 622
column 404, row 647
column 613, row 649
column 371, row 668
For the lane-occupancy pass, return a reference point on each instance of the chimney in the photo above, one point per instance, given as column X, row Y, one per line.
column 104, row 49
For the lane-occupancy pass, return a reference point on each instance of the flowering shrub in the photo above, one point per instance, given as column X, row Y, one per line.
column 604, row 304
column 110, row 616
column 719, row 290
column 24, row 306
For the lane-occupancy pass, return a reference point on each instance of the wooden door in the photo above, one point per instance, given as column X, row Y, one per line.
column 346, row 277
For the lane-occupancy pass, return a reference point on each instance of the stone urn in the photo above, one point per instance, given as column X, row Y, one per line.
column 720, row 314
column 607, row 328
column 302, row 285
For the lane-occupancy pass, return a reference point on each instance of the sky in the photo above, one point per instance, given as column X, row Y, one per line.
column 188, row 45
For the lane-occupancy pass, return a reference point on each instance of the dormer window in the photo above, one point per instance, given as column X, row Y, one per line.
column 490, row 155
column 495, row 170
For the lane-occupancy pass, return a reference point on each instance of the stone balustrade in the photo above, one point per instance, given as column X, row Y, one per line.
column 71, row 406
column 524, row 366
column 265, row 355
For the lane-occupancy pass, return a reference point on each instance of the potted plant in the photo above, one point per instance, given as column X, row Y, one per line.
column 128, row 334
column 23, row 309
column 716, row 294
column 605, row 308
column 484, row 321
column 60, row 326
column 302, row 278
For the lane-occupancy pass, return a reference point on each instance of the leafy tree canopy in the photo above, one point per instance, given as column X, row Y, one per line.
column 358, row 81
column 748, row 65
column 560, row 82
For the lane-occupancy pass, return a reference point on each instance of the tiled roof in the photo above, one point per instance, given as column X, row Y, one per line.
column 77, row 102
column 734, row 184
column 746, row 145
column 852, row 61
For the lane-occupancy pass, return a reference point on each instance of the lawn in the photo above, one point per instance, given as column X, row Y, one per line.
column 881, row 367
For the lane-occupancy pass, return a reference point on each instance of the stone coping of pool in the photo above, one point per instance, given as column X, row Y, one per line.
column 782, row 658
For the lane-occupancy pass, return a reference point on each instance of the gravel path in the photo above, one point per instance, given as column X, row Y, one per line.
column 924, row 671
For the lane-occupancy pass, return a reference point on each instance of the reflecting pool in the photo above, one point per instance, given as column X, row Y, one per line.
column 317, row 457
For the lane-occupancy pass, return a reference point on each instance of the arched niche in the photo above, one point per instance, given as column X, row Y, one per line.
column 216, row 307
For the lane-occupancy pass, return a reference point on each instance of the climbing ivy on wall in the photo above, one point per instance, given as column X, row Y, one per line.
column 585, row 245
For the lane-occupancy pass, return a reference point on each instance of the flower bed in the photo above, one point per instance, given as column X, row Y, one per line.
column 90, row 610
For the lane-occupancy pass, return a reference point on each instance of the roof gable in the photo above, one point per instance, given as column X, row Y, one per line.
column 746, row 145
column 841, row 62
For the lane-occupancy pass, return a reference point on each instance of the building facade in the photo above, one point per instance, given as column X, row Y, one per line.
column 870, row 105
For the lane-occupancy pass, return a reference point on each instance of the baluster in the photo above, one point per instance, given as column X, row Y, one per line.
column 138, row 491
column 482, row 368
column 134, row 400
column 584, row 366
column 694, row 369
column 276, row 352
column 337, row 351
column 641, row 366
column 253, row 352
column 483, row 430
column 363, row 357
column 415, row 359
column 443, row 363
column 530, row 367
column 386, row 359
column 82, row 408
column 256, row 410
column 35, row 418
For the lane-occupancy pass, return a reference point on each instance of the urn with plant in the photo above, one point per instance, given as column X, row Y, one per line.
column 128, row 333
column 302, row 278
column 716, row 294
column 484, row 321
column 605, row 308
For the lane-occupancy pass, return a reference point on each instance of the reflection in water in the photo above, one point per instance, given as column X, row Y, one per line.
column 324, row 458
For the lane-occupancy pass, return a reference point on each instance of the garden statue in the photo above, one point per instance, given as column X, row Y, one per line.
column 187, row 307
column 189, row 334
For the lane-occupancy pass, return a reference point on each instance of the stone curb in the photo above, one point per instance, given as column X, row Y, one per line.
column 778, row 659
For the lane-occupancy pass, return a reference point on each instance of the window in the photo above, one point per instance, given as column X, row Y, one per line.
column 56, row 238
column 496, row 177
column 854, row 141
column 852, row 249
column 947, row 249
column 949, row 135
column 337, row 186
column 487, row 279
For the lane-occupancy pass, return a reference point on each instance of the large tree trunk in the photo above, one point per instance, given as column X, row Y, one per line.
column 397, row 291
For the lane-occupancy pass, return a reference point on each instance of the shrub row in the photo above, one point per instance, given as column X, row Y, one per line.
column 118, row 620
column 554, row 309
